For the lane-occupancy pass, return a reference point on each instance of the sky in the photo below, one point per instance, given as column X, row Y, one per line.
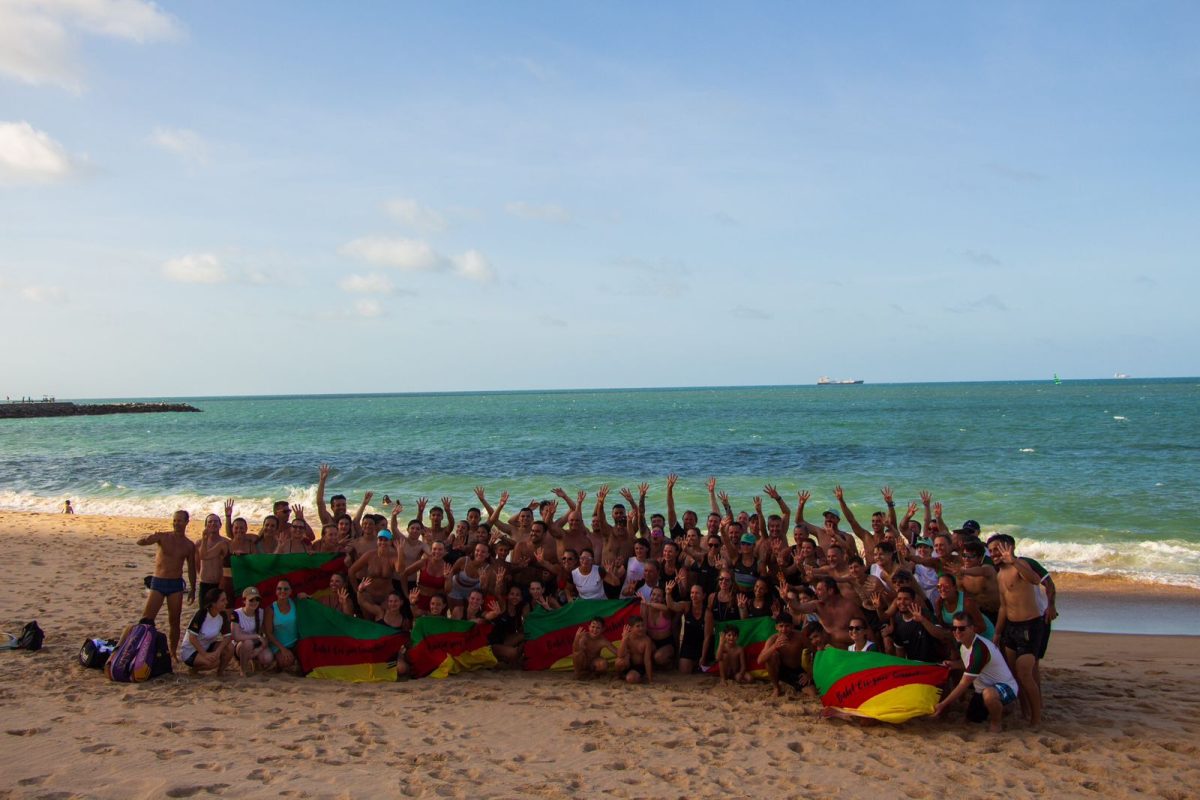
column 230, row 198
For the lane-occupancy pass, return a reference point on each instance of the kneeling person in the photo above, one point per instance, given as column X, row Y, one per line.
column 986, row 671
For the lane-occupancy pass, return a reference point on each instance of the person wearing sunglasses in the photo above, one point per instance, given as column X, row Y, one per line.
column 860, row 641
column 985, row 671
column 249, row 640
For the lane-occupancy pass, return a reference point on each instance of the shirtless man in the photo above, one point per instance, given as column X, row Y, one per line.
column 587, row 652
column 617, row 536
column 635, row 656
column 828, row 533
column 517, row 527
column 574, row 533
column 212, row 554
column 783, row 654
column 525, row 556
column 441, row 521
column 832, row 607
column 337, row 503
column 979, row 579
column 874, row 536
column 1021, row 627
column 174, row 550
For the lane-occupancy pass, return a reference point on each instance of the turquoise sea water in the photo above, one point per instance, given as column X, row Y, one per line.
column 1090, row 476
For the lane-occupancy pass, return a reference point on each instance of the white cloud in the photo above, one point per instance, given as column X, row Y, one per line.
column 411, row 255
column 367, row 284
column 414, row 255
column 29, row 155
column 539, row 213
column 184, row 143
column 369, row 308
column 42, row 294
column 195, row 268
column 39, row 38
column 416, row 215
column 474, row 266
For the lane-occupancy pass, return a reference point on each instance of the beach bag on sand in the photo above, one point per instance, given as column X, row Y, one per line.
column 31, row 637
column 95, row 652
column 142, row 656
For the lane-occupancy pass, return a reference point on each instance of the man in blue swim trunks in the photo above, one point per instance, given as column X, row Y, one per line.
column 174, row 550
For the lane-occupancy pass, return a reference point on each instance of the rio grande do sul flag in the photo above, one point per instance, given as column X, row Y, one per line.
column 550, row 635
column 308, row 573
column 442, row 647
column 334, row 646
column 877, row 686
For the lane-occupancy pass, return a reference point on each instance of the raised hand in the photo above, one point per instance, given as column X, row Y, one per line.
column 367, row 497
column 723, row 496
column 838, row 493
column 758, row 505
column 926, row 497
column 539, row 553
column 504, row 497
column 364, row 584
column 770, row 491
column 549, row 510
column 743, row 601
column 628, row 495
column 937, row 509
column 887, row 494
column 602, row 493
column 1005, row 551
column 229, row 507
column 421, row 503
column 479, row 494
column 558, row 490
column 912, row 508
column 803, row 496
column 579, row 498
column 712, row 484
column 323, row 471
column 446, row 504
column 670, row 587
column 343, row 595
column 671, row 478
column 298, row 510
column 414, row 595
column 643, row 488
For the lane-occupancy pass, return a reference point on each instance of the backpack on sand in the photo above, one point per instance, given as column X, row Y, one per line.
column 143, row 655
column 95, row 652
column 31, row 637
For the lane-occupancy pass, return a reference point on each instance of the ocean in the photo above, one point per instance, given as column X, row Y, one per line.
column 1095, row 477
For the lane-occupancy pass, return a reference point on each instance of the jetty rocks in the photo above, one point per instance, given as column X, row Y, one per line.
column 54, row 409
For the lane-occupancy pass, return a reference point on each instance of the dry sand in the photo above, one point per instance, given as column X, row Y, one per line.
column 1122, row 718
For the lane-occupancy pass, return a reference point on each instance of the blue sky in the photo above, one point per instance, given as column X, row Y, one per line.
column 236, row 198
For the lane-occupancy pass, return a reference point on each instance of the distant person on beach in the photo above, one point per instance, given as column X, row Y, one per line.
column 67, row 509
column 174, row 551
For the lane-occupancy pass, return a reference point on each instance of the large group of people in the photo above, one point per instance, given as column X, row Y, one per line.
column 908, row 585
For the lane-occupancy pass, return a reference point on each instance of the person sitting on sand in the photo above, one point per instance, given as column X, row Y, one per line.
column 174, row 550
column 587, row 651
column 67, row 509
column 985, row 671
column 250, row 645
column 539, row 599
column 280, row 628
column 783, row 655
column 206, row 645
column 635, row 654
column 731, row 658
column 660, row 624
column 507, row 620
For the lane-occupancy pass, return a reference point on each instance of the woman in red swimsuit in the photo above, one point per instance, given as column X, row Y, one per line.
column 433, row 575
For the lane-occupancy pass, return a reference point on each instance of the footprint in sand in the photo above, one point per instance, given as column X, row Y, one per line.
column 260, row 774
column 101, row 749
column 25, row 731
column 36, row 780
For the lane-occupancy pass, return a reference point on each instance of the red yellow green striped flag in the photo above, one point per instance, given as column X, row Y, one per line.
column 335, row 646
column 442, row 647
column 878, row 686
column 308, row 573
column 752, row 635
column 550, row 635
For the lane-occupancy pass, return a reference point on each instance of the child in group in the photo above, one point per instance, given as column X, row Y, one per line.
column 731, row 659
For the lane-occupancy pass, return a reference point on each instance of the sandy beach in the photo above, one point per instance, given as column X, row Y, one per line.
column 1122, row 716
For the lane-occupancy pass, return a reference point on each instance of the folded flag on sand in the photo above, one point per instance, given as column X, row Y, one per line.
column 878, row 686
column 308, row 573
column 752, row 635
column 333, row 645
column 442, row 647
column 550, row 635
